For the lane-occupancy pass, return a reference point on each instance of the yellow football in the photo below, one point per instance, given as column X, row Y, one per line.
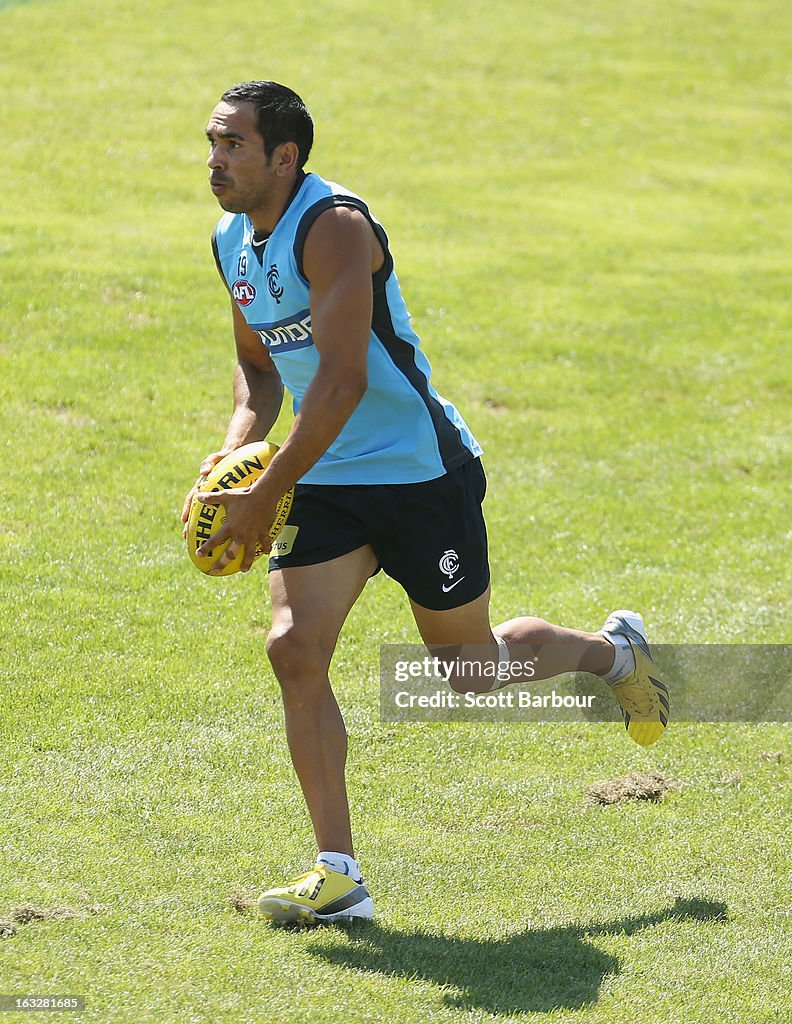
column 239, row 469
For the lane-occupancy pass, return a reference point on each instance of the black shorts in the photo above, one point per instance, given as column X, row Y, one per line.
column 429, row 537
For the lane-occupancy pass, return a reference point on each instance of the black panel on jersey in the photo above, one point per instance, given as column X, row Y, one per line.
column 307, row 222
column 216, row 252
column 453, row 451
column 259, row 245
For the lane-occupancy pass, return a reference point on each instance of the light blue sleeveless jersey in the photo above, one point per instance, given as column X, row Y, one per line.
column 402, row 431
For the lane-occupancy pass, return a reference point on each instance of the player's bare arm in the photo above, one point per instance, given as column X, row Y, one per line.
column 258, row 390
column 258, row 395
column 341, row 253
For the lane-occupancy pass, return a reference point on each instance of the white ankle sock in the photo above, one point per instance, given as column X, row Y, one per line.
column 624, row 659
column 503, row 659
column 341, row 862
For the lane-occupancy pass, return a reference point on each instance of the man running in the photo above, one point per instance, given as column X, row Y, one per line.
column 387, row 474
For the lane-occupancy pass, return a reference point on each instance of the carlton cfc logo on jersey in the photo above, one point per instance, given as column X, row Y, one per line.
column 243, row 292
column 274, row 285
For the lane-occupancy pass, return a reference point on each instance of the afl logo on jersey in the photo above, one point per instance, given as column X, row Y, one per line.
column 243, row 292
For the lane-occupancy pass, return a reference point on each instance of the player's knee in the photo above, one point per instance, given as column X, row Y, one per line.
column 296, row 659
column 542, row 632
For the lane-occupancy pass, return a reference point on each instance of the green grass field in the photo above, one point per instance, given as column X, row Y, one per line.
column 589, row 207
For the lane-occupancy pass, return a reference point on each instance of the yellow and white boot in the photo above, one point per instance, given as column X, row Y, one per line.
column 321, row 895
column 643, row 698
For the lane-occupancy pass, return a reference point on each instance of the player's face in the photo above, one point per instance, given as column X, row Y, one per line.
column 241, row 176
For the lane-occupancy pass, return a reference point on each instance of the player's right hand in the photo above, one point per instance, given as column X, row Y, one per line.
column 206, row 468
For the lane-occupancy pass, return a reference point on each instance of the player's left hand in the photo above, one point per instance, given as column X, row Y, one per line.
column 250, row 512
column 207, row 466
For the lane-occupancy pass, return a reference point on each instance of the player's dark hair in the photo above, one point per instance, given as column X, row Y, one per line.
column 282, row 116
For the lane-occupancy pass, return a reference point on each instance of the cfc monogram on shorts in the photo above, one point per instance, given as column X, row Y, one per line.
column 449, row 565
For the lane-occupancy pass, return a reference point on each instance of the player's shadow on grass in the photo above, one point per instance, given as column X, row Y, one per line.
column 535, row 970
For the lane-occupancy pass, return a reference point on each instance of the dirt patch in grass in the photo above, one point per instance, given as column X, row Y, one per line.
column 241, row 901
column 637, row 786
column 25, row 913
